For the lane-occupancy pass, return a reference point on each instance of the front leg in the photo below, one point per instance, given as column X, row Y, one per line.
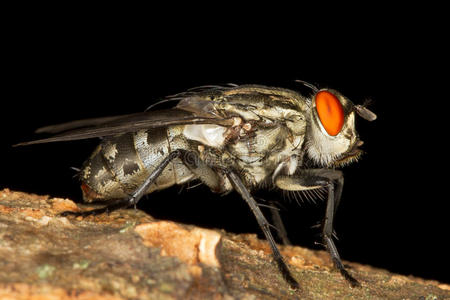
column 333, row 181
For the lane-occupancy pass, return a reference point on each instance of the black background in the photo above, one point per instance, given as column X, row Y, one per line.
column 393, row 212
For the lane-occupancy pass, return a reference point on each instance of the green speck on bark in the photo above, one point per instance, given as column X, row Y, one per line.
column 45, row 271
column 82, row 264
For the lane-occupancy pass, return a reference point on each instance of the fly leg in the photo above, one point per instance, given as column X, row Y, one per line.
column 333, row 181
column 136, row 195
column 210, row 177
column 203, row 171
column 278, row 223
column 243, row 191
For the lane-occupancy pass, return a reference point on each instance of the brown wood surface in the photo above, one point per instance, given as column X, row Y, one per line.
column 129, row 255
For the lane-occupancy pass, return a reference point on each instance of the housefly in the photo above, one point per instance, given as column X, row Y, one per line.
column 230, row 138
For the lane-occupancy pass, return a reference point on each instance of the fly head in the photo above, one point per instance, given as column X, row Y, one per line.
column 331, row 135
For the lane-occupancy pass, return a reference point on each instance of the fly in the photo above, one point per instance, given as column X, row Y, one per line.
column 230, row 138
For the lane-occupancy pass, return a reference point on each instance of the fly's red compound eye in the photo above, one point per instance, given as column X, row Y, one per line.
column 330, row 111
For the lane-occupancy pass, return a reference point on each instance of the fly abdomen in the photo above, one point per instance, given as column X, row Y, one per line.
column 121, row 164
column 98, row 182
column 153, row 145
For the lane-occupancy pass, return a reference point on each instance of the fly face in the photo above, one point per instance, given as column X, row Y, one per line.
column 331, row 136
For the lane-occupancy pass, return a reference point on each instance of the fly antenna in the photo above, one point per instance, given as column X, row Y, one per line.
column 364, row 112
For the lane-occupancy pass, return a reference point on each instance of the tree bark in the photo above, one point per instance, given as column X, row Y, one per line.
column 129, row 255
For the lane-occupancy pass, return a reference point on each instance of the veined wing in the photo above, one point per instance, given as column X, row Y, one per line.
column 109, row 126
column 57, row 128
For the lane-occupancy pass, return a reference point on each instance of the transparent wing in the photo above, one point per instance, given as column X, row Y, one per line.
column 57, row 128
column 108, row 126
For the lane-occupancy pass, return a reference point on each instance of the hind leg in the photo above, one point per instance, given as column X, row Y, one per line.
column 134, row 198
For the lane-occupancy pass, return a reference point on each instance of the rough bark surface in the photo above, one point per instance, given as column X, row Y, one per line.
column 129, row 255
